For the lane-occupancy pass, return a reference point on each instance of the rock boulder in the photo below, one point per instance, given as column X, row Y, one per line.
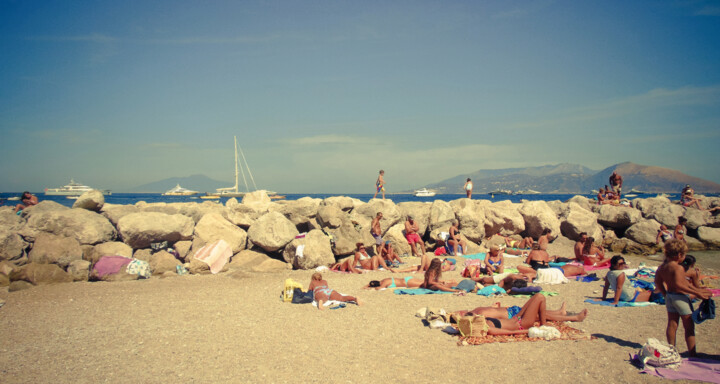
column 272, row 232
column 316, row 251
column 213, row 227
column 51, row 249
column 38, row 274
column 139, row 230
column 85, row 226
column 91, row 200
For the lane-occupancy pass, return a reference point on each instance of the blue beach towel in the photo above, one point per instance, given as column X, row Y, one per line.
column 417, row 291
column 607, row 303
column 475, row 256
column 637, row 283
column 491, row 290
column 556, row 265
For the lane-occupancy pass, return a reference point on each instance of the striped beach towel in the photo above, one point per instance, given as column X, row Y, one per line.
column 215, row 255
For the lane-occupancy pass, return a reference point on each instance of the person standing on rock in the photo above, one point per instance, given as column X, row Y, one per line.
column 380, row 184
column 616, row 182
column 468, row 188
column 412, row 237
column 376, row 232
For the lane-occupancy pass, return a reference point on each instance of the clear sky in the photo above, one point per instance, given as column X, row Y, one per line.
column 323, row 94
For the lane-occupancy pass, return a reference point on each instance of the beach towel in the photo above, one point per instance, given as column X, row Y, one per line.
column 566, row 333
column 107, row 265
column 475, row 256
column 715, row 292
column 594, row 268
column 550, row 276
column 491, row 290
column 637, row 283
column 690, row 369
column 705, row 311
column 215, row 255
column 140, row 268
column 609, row 303
column 417, row 291
column 587, row 278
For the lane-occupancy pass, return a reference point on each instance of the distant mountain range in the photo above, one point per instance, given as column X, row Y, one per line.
column 199, row 183
column 574, row 178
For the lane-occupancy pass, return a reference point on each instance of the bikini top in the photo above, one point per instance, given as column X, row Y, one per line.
column 495, row 322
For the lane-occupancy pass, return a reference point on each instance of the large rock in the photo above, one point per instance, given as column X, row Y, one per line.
column 343, row 203
column 43, row 207
column 643, row 232
column 441, row 214
column 272, row 232
column 346, row 236
column 470, row 218
column 391, row 214
column 316, row 251
column 241, row 215
column 709, row 236
column 139, row 230
column 660, row 209
column 117, row 212
column 301, row 211
column 10, row 221
column 161, row 262
column 419, row 211
column 695, row 218
column 583, row 202
column 85, row 226
column 330, row 216
column 51, row 249
column 503, row 218
column 109, row 249
column 182, row 248
column 618, row 217
column 578, row 220
column 79, row 270
column 271, row 265
column 694, row 244
column 213, row 227
column 625, row 245
column 539, row 216
column 38, row 274
column 12, row 247
column 257, row 197
column 91, row 200
column 247, row 259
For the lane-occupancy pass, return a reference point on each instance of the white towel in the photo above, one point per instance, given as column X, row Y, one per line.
column 299, row 250
column 550, row 276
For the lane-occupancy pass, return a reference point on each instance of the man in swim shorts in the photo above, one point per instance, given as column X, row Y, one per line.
column 376, row 232
column 616, row 182
column 670, row 280
column 380, row 185
column 411, row 229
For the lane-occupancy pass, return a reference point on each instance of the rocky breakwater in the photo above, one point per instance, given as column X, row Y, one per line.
column 50, row 243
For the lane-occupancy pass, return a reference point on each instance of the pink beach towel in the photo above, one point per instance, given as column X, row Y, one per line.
column 691, row 369
column 715, row 292
column 215, row 255
column 107, row 265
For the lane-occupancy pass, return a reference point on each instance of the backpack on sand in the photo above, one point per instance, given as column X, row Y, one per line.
column 658, row 354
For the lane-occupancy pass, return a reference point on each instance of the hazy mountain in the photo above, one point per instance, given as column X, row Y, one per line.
column 573, row 178
column 199, row 183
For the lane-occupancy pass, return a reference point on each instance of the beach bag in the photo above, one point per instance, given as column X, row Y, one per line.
column 472, row 269
column 658, row 354
column 300, row 297
column 289, row 290
column 472, row 325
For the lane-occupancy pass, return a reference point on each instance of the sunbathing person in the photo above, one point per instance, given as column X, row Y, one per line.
column 593, row 255
column 525, row 243
column 539, row 259
column 388, row 254
column 506, row 280
column 692, row 273
column 456, row 240
column 494, row 261
column 321, row 292
column 621, row 285
column 497, row 312
column 346, row 265
column 432, row 279
column 391, row 282
column 367, row 262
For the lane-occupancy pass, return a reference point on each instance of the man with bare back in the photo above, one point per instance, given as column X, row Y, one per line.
column 579, row 246
column 616, row 182
column 376, row 232
column 411, row 228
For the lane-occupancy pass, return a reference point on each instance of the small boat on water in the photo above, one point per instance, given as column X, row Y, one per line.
column 424, row 192
column 72, row 197
column 179, row 191
column 210, row 197
column 72, row 189
column 501, row 192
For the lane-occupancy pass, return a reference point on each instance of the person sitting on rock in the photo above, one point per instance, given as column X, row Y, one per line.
column 322, row 294
column 687, row 198
column 456, row 240
column 413, row 238
column 28, row 200
column 680, row 229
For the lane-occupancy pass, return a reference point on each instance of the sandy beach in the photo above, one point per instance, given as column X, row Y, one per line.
column 233, row 327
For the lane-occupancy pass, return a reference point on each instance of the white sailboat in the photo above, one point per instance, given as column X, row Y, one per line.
column 234, row 191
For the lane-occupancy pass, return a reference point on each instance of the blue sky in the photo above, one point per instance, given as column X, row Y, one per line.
column 323, row 94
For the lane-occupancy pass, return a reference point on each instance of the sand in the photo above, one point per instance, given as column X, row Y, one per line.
column 232, row 327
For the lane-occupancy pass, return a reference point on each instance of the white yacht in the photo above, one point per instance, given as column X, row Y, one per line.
column 424, row 192
column 73, row 189
column 179, row 191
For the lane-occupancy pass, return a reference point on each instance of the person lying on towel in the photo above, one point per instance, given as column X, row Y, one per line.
column 322, row 293
column 539, row 259
column 496, row 311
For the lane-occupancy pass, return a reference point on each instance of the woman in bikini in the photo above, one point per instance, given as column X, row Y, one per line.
column 367, row 262
column 593, row 255
column 322, row 293
column 346, row 265
column 432, row 279
column 525, row 243
column 494, row 261
column 455, row 239
column 621, row 285
column 692, row 273
column 498, row 312
column 663, row 235
column 391, row 282
column 680, row 229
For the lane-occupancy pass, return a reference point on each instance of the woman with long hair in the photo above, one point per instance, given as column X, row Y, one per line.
column 432, row 279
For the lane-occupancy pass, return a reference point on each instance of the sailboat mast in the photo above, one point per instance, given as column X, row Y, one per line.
column 236, row 165
column 248, row 168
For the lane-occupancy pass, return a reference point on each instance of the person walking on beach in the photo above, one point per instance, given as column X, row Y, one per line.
column 671, row 281
column 616, row 182
column 468, row 188
column 380, row 185
column 376, row 232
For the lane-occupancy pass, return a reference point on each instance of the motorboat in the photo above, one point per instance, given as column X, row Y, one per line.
column 179, row 191
column 72, row 189
column 424, row 192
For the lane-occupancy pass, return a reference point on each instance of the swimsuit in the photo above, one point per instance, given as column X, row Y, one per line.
column 468, row 187
column 379, row 186
column 363, row 257
column 378, row 238
column 666, row 236
column 323, row 289
column 495, row 322
column 413, row 238
column 408, row 278
column 393, row 283
column 512, row 311
column 534, row 264
column 678, row 303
